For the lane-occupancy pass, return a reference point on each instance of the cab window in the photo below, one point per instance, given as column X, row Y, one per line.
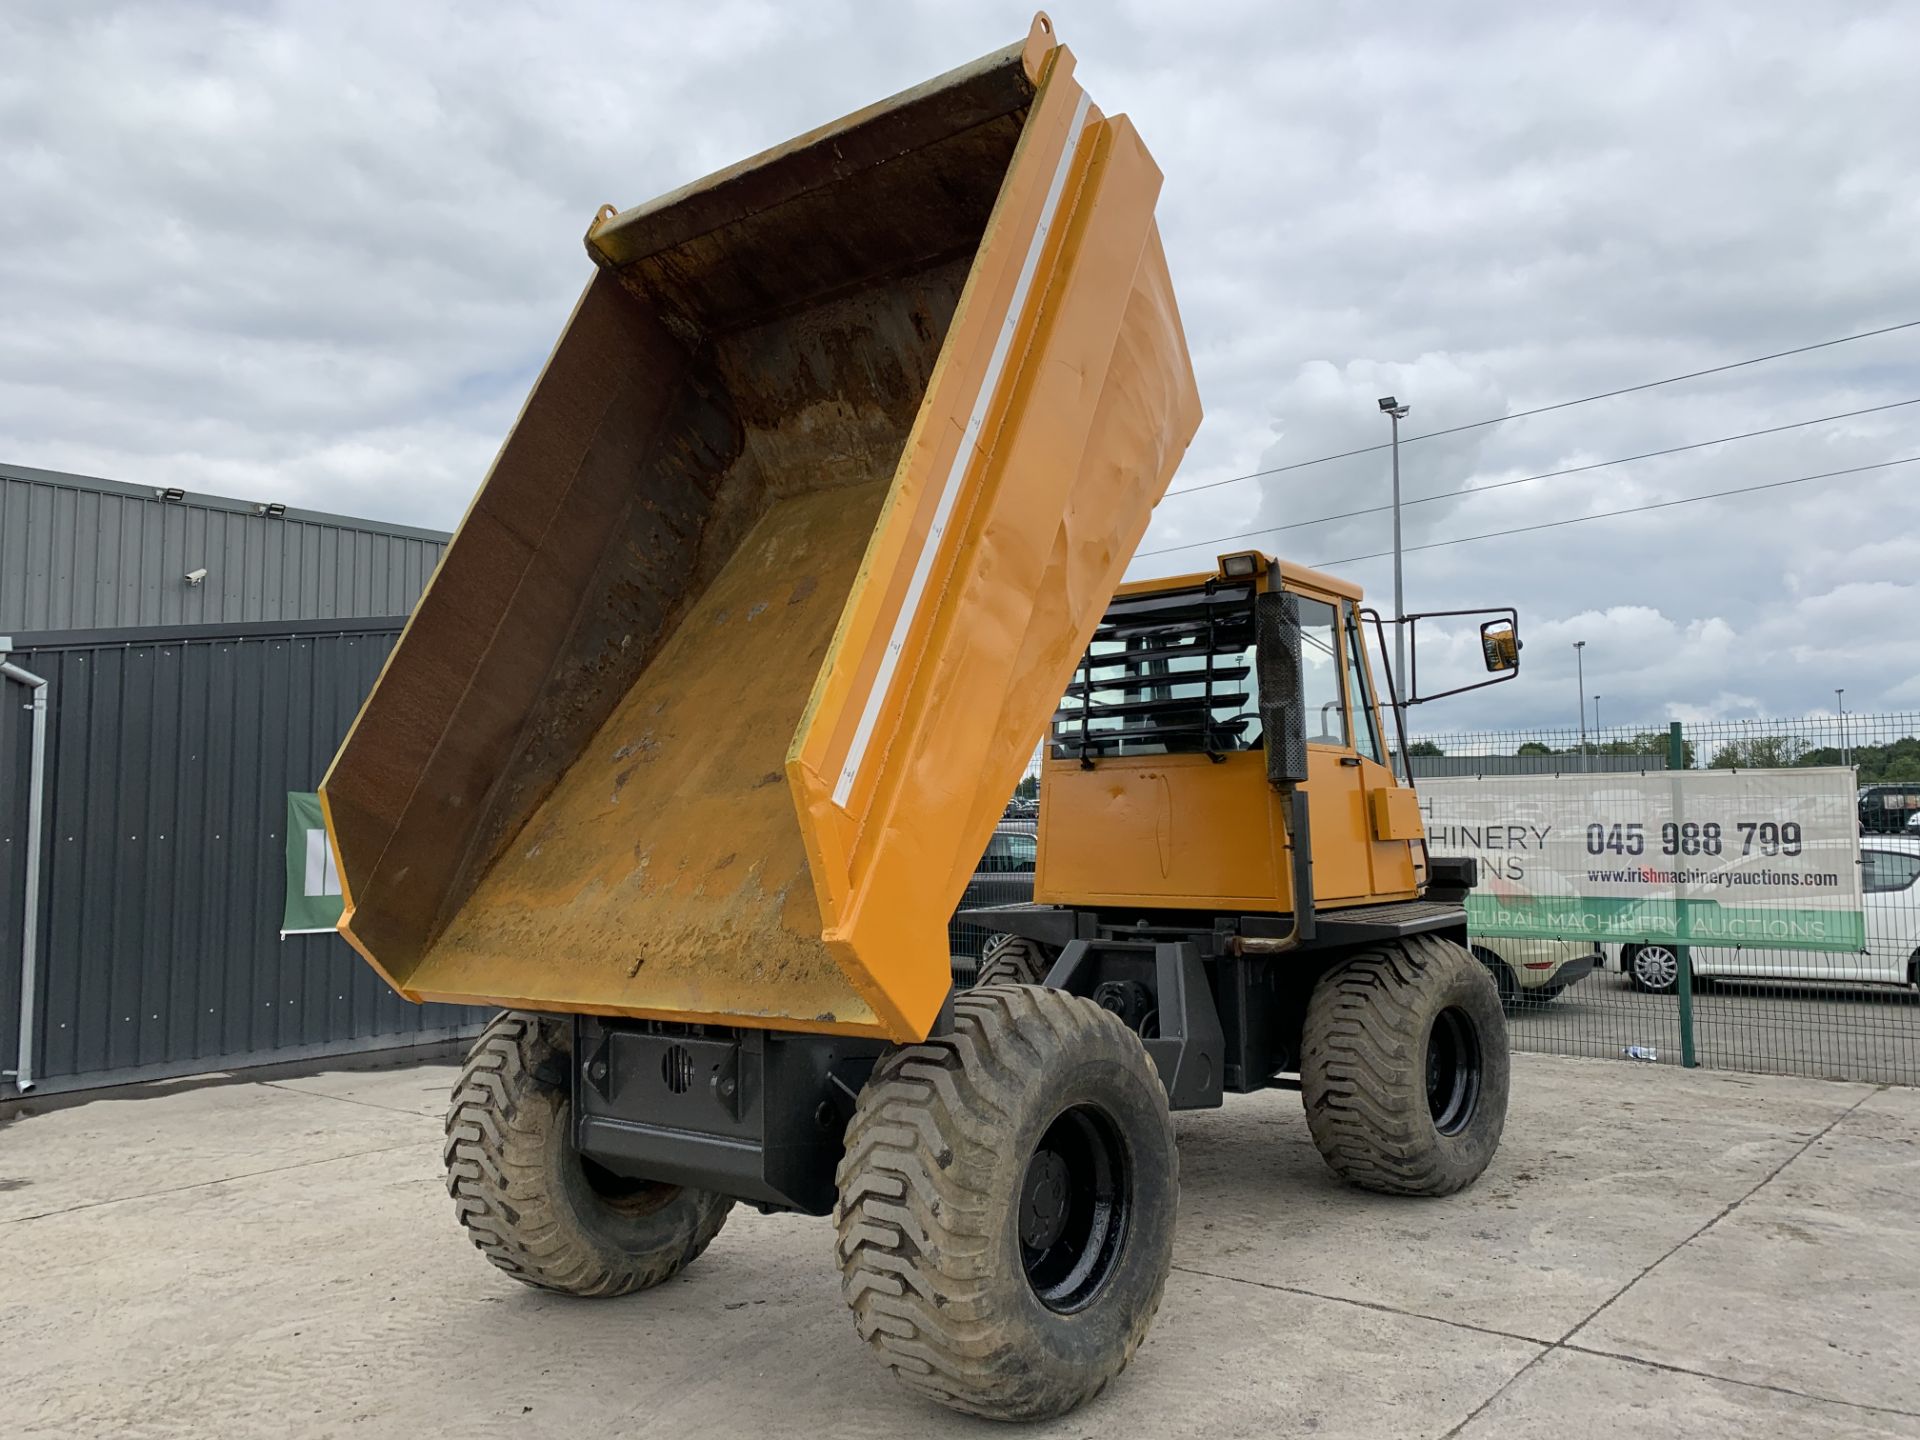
column 1175, row 672
column 1320, row 652
column 1168, row 672
column 1360, row 691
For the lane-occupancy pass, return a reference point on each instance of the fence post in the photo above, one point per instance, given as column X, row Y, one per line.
column 1677, row 760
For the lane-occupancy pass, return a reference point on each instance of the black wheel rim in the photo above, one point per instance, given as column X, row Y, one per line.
column 1075, row 1198
column 624, row 1193
column 1453, row 1071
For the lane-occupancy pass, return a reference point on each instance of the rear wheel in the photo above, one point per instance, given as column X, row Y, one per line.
column 1007, row 1198
column 1405, row 1068
column 534, row 1205
column 1654, row 969
column 1014, row 960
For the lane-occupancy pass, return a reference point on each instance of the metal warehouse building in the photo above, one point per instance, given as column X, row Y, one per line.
column 83, row 554
column 175, row 665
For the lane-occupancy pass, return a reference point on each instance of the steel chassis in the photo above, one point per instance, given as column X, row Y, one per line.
column 760, row 1114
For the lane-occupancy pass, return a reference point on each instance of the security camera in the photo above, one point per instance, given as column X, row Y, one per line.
column 194, row 577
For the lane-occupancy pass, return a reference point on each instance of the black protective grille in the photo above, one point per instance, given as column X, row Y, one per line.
column 1166, row 674
column 1282, row 708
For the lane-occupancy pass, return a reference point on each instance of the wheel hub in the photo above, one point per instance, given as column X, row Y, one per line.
column 624, row 1193
column 1657, row 966
column 1044, row 1200
column 1453, row 1071
column 1075, row 1206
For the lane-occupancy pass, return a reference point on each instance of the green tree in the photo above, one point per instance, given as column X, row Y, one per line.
column 1896, row 760
column 1647, row 742
column 1759, row 752
column 1424, row 747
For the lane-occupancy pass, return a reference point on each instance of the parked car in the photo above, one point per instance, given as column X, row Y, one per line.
column 1890, row 900
column 1889, row 809
column 1533, row 972
column 1004, row 876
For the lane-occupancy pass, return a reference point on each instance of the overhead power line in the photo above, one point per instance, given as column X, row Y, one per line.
column 1544, row 409
column 1525, row 479
column 1614, row 514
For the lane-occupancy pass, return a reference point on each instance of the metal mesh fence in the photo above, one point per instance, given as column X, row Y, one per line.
column 1003, row 875
column 988, row 887
column 1853, row 1016
column 1839, row 1016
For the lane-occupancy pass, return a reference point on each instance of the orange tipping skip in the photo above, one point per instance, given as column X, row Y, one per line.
column 772, row 590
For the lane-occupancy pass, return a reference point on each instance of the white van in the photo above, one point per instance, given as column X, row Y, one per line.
column 1889, row 868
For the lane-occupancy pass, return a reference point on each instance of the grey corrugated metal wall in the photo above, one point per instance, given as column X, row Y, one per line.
column 170, row 755
column 78, row 553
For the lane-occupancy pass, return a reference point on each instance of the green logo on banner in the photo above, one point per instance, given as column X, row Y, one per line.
column 1683, row 922
column 313, row 885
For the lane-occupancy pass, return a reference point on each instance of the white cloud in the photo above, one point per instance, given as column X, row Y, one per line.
column 317, row 253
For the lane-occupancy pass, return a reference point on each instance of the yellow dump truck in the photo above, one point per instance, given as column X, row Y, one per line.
column 818, row 508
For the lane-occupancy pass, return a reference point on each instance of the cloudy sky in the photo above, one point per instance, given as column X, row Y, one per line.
column 317, row 252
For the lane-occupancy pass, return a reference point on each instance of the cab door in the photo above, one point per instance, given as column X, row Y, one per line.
column 1336, row 794
column 1391, row 818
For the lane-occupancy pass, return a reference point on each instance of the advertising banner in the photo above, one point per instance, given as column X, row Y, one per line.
column 1740, row 858
column 313, row 884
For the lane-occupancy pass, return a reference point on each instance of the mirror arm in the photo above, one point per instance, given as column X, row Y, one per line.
column 1414, row 697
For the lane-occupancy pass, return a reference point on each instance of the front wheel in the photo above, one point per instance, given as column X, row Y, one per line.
column 1006, row 1209
column 1405, row 1066
column 533, row 1204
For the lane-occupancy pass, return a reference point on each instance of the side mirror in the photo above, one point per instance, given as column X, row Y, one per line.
column 1500, row 646
column 1499, row 649
column 1283, row 718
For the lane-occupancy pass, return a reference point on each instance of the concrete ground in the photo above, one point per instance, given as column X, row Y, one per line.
column 1653, row 1252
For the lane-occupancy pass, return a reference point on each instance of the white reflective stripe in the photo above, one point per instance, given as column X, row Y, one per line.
column 322, row 878
column 950, row 491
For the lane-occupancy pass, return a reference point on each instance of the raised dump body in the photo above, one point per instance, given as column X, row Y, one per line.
column 771, row 591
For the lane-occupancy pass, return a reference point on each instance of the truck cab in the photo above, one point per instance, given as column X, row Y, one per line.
column 1154, row 777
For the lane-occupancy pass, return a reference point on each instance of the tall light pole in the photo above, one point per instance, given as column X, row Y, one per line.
column 1580, row 672
column 1840, row 704
column 1396, row 412
column 1596, row 720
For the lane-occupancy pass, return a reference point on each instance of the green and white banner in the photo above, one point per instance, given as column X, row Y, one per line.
column 313, row 884
column 1742, row 858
